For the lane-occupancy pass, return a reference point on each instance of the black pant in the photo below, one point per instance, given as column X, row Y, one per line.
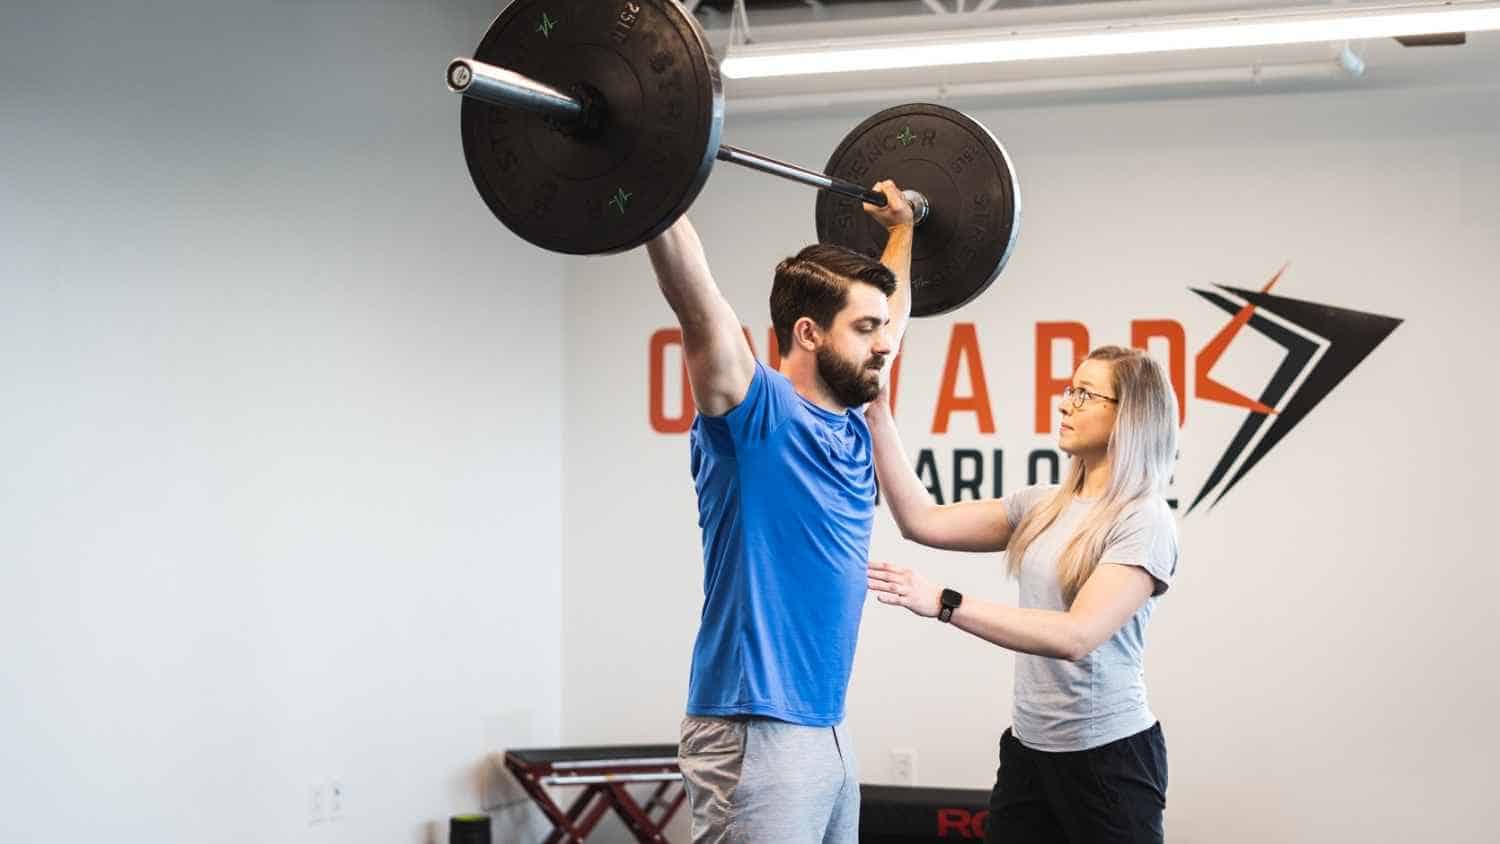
column 1112, row 793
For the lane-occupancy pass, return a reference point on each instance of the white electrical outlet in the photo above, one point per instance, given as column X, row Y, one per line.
column 904, row 767
column 336, row 801
column 317, row 805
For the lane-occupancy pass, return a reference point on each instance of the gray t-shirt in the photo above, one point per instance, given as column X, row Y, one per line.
column 1066, row 706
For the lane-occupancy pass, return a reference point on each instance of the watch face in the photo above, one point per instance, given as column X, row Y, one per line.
column 950, row 598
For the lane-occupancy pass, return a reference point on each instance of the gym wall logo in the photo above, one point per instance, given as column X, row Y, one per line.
column 1332, row 342
column 1320, row 346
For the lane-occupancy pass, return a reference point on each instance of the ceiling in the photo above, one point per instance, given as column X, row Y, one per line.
column 731, row 23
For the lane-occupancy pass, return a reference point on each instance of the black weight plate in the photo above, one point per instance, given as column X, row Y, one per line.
column 617, row 189
column 967, row 178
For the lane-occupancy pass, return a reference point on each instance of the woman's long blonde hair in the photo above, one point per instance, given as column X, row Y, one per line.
column 1142, row 448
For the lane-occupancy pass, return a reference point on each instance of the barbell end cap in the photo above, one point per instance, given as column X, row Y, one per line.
column 920, row 207
column 460, row 75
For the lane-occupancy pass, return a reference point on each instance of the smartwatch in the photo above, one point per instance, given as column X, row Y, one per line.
column 949, row 601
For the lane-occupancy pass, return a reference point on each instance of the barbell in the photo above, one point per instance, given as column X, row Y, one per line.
column 590, row 126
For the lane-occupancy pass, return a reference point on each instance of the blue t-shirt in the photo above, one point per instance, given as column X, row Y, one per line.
column 786, row 500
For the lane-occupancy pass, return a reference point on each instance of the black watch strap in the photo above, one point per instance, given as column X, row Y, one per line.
column 949, row 601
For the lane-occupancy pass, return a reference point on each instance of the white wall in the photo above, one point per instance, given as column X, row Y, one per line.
column 1321, row 666
column 292, row 492
column 281, row 429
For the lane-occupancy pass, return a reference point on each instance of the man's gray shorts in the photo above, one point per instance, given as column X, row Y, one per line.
column 753, row 780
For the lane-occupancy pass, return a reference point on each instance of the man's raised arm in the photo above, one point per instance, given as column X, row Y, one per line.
column 719, row 361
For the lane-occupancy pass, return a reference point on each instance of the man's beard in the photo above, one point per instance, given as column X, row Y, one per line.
column 850, row 384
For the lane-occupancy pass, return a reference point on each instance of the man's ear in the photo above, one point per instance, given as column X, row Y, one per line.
column 806, row 334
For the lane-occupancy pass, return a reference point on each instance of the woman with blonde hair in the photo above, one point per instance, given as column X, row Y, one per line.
column 1084, row 759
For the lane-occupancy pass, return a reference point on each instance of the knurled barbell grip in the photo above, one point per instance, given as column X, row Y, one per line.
column 756, row 161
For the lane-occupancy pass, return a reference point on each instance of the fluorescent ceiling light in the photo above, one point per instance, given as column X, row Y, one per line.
column 1116, row 39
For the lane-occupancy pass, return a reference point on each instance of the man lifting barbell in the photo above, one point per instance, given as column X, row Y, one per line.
column 590, row 128
column 782, row 461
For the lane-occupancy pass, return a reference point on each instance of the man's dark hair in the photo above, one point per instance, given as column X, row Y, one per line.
column 815, row 284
